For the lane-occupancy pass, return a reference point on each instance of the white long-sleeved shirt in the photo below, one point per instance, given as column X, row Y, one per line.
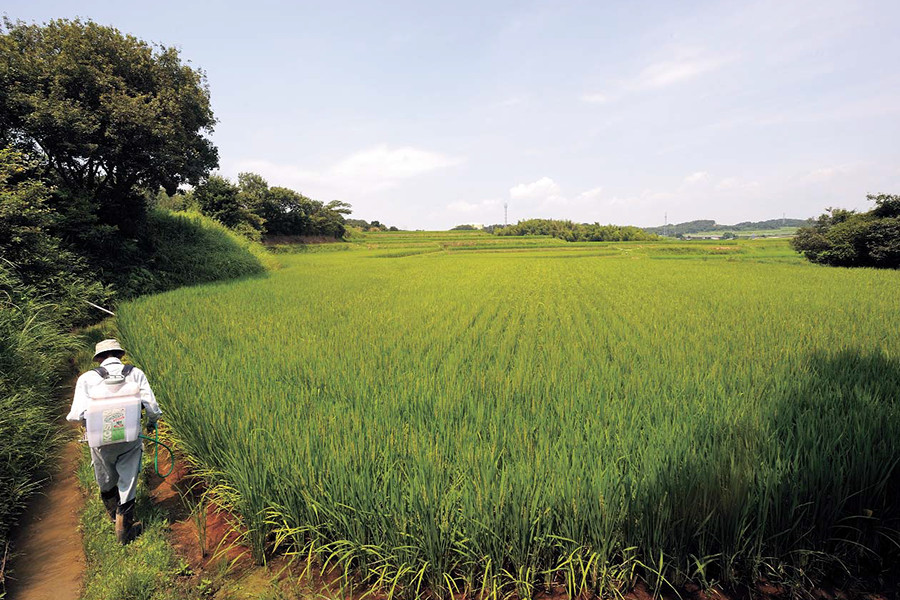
column 81, row 399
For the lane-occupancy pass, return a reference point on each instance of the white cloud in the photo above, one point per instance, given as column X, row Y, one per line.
column 541, row 189
column 390, row 164
column 544, row 198
column 462, row 206
column 698, row 177
column 378, row 168
column 465, row 207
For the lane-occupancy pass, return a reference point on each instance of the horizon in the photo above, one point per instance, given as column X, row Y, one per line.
column 669, row 224
column 427, row 117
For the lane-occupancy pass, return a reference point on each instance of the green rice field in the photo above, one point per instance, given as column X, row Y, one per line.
column 465, row 414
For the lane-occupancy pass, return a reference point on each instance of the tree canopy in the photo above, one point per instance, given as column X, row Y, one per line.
column 106, row 113
column 846, row 238
column 577, row 232
column 254, row 209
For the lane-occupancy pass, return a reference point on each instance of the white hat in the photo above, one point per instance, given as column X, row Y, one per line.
column 106, row 346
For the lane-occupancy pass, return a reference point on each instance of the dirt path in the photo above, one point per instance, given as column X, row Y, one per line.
column 50, row 558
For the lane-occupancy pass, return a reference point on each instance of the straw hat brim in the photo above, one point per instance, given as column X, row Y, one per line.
column 107, row 346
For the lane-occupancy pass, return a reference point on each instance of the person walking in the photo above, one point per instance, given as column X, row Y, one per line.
column 117, row 464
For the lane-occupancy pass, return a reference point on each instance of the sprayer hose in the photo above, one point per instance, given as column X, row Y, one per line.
column 158, row 443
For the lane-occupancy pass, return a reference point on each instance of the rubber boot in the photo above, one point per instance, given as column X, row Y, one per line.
column 110, row 502
column 126, row 528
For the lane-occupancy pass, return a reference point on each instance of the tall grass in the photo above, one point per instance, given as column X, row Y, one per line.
column 32, row 352
column 187, row 248
column 495, row 423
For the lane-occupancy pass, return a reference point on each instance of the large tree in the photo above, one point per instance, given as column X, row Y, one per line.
column 106, row 113
column 287, row 212
column 224, row 201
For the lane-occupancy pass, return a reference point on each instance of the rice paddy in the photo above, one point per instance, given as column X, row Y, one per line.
column 458, row 413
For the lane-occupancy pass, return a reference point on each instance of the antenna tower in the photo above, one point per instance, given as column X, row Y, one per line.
column 506, row 214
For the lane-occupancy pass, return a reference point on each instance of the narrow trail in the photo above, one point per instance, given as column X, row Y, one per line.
column 50, row 559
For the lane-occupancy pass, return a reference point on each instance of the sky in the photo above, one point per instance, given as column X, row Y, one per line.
column 426, row 115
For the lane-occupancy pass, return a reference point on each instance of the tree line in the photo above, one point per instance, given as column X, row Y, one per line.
column 255, row 210
column 702, row 225
column 577, row 232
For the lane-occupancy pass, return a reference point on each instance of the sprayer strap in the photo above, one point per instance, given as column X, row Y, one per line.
column 102, row 372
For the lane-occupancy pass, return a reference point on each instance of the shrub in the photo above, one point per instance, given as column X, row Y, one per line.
column 845, row 238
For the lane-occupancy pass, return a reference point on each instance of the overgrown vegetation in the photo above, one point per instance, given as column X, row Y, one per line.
column 33, row 349
column 554, row 419
column 42, row 266
column 188, row 248
column 90, row 119
column 845, row 238
column 577, row 232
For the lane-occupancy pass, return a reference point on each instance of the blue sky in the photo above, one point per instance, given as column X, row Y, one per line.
column 427, row 115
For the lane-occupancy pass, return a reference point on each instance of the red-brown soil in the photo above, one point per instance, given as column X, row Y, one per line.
column 49, row 558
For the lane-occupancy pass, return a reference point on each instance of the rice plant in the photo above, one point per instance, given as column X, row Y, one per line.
column 496, row 423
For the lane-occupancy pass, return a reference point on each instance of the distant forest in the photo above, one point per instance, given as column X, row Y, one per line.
column 708, row 225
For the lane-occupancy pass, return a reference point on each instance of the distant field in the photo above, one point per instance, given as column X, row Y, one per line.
column 780, row 232
column 461, row 412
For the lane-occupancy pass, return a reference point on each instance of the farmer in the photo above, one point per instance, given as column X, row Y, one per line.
column 116, row 465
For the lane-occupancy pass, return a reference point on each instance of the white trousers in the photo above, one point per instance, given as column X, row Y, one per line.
column 118, row 465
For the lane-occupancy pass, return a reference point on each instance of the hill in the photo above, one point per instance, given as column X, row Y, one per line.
column 705, row 225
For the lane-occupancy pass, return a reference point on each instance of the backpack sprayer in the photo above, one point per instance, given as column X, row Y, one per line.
column 114, row 415
column 119, row 419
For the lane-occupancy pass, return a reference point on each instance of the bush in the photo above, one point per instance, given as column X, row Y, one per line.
column 846, row 238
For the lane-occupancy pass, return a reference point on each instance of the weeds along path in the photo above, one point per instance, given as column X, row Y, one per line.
column 50, row 558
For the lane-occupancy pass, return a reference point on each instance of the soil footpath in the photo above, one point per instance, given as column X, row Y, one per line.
column 50, row 559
